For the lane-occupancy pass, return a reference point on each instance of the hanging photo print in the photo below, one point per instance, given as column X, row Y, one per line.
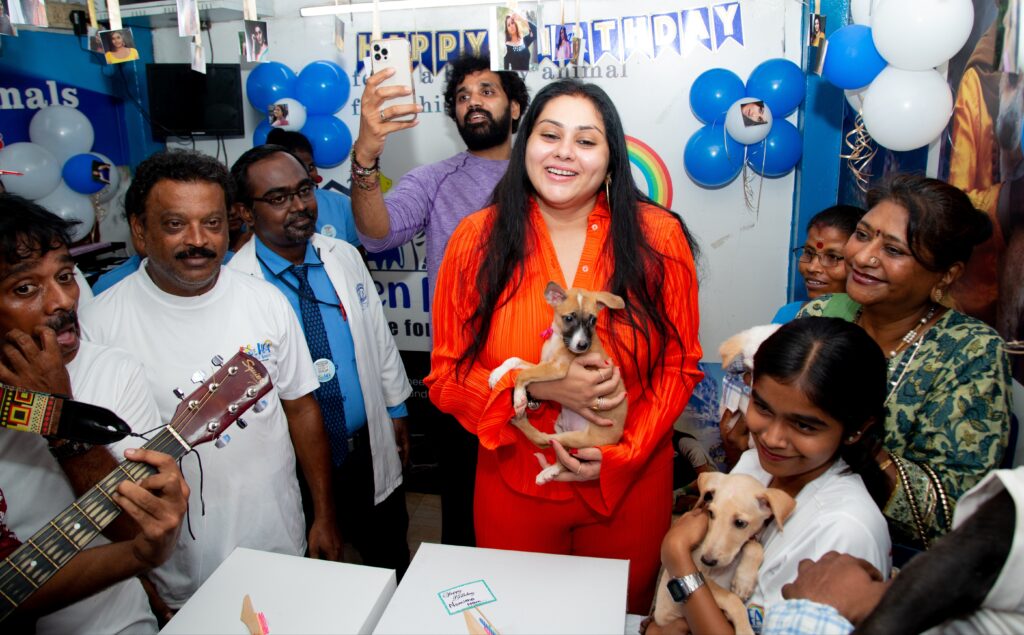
column 256, row 41
column 6, row 26
column 514, row 38
column 119, row 46
column 339, row 33
column 188, row 18
column 198, row 56
column 33, row 12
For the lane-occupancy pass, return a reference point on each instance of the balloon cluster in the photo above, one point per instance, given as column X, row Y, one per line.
column 745, row 122
column 886, row 63
column 57, row 169
column 305, row 102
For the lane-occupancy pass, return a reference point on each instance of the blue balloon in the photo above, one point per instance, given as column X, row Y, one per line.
column 780, row 84
column 78, row 174
column 330, row 138
column 713, row 92
column 712, row 158
column 852, row 61
column 779, row 152
column 322, row 88
column 259, row 135
column 269, row 82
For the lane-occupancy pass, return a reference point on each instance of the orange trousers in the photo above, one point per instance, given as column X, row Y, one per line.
column 507, row 519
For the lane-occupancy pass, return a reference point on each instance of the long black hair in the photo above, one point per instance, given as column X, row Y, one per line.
column 637, row 275
column 841, row 370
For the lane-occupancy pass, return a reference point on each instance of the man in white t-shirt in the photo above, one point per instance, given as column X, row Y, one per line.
column 178, row 311
column 38, row 302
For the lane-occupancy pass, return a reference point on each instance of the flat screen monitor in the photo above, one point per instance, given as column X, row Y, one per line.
column 185, row 103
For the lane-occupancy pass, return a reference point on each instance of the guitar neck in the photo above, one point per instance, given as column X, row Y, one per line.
column 42, row 555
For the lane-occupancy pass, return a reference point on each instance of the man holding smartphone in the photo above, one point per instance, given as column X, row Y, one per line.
column 486, row 107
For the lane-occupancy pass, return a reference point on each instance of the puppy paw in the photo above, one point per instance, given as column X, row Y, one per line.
column 499, row 372
column 548, row 474
column 743, row 586
column 542, row 460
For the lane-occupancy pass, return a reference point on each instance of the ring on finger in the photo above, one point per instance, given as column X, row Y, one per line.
column 599, row 403
column 382, row 117
column 580, row 468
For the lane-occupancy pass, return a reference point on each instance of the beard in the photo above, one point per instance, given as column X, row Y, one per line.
column 296, row 234
column 486, row 134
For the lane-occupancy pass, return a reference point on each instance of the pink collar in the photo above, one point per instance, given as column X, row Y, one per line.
column 547, row 333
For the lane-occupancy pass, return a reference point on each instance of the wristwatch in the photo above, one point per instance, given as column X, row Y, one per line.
column 682, row 588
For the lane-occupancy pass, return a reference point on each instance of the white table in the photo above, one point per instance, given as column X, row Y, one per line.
column 297, row 595
column 533, row 592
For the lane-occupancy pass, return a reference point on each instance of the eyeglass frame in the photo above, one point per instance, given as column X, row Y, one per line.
column 801, row 255
column 288, row 196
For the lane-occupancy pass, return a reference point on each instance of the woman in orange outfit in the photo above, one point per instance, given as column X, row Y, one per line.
column 552, row 221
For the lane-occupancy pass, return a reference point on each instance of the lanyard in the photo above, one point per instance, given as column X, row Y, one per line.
column 294, row 289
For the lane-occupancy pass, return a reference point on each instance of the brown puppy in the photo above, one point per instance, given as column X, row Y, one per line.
column 739, row 507
column 572, row 333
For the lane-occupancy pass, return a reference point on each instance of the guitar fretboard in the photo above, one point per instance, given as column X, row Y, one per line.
column 42, row 555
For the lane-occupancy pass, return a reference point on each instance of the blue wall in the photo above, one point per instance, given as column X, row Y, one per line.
column 52, row 63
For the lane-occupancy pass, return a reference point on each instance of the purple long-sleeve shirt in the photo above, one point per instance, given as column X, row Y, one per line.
column 435, row 198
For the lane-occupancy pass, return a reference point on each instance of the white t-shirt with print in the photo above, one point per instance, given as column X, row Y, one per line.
column 37, row 489
column 249, row 487
column 834, row 512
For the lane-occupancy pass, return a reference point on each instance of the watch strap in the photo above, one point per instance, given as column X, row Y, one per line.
column 682, row 588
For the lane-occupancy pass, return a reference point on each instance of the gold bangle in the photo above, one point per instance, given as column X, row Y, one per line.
column 884, row 465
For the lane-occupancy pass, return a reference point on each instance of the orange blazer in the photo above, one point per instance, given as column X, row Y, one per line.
column 520, row 319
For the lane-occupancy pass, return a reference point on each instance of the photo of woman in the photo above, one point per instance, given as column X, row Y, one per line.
column 563, row 46
column 753, row 114
column 816, row 34
column 257, row 47
column 278, row 115
column 119, row 46
column 518, row 34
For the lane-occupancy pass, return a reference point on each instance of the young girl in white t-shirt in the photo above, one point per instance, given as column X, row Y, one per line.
column 815, row 417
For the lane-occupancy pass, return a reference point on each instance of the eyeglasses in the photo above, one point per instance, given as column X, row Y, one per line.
column 282, row 200
column 806, row 254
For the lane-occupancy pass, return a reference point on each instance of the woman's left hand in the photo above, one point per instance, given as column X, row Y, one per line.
column 585, row 465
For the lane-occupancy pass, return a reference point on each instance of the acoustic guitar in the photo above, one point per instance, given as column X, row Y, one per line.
column 203, row 416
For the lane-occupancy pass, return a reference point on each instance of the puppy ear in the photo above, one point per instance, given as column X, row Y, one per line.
column 781, row 504
column 707, row 483
column 554, row 294
column 609, row 300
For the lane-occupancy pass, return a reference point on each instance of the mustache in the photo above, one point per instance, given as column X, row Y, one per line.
column 63, row 320
column 195, row 252
column 478, row 109
column 294, row 217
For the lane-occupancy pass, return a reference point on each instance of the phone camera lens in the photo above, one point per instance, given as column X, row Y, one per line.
column 376, row 56
column 376, row 47
column 384, row 51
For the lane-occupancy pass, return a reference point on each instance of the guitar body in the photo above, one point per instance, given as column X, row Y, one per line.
column 201, row 417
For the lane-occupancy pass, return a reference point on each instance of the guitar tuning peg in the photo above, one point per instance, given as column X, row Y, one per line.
column 241, row 423
column 222, row 440
column 178, row 393
column 260, row 406
column 217, row 360
column 198, row 377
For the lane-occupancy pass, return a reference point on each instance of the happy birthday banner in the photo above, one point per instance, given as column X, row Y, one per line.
column 678, row 32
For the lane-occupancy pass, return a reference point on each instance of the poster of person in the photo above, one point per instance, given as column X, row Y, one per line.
column 257, row 45
column 101, row 172
column 95, row 41
column 982, row 155
column 753, row 114
column 119, row 46
column 6, row 25
column 816, row 43
column 277, row 115
column 562, row 48
column 188, row 18
column 816, row 32
column 198, row 57
column 514, row 40
column 33, row 12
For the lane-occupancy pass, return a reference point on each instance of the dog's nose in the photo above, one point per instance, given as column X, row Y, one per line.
column 708, row 561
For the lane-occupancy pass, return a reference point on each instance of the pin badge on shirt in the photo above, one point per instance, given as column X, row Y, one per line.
column 324, row 369
column 329, row 231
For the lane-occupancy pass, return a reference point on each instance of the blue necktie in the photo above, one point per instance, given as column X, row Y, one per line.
column 329, row 393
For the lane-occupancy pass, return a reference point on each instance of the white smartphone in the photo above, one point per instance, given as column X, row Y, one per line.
column 394, row 53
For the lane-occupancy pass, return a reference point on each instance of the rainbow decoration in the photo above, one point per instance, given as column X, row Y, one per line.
column 659, row 181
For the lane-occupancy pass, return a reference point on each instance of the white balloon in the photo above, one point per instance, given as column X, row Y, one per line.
column 110, row 189
column 291, row 117
column 856, row 99
column 113, row 225
column 743, row 129
column 40, row 172
column 916, row 35
column 904, row 110
column 71, row 206
column 63, row 131
column 861, row 11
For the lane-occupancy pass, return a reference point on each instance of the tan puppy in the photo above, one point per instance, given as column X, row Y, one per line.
column 739, row 507
column 572, row 333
